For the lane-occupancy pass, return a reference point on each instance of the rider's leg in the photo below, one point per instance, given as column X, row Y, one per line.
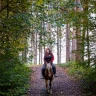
column 43, row 69
column 54, row 68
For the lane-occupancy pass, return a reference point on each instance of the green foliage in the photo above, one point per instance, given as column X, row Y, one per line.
column 76, row 68
column 89, row 78
column 15, row 25
column 84, row 73
column 73, row 68
column 14, row 78
column 65, row 65
column 14, row 31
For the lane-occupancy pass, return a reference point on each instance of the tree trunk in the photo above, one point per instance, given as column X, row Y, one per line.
column 36, row 50
column 88, row 47
column 49, row 36
column 78, row 43
column 73, row 52
column 0, row 4
column 58, row 54
column 7, row 8
column 78, row 35
column 24, row 56
column 67, row 43
column 31, row 53
column 60, row 46
column 40, row 49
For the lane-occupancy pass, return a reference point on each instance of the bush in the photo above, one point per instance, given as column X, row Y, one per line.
column 65, row 65
column 89, row 78
column 85, row 73
column 73, row 67
column 14, row 77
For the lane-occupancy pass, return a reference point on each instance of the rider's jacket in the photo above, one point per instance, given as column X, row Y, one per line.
column 48, row 58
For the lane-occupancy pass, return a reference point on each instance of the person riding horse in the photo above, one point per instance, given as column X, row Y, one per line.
column 48, row 58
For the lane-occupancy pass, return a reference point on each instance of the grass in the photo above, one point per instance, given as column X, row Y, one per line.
column 64, row 65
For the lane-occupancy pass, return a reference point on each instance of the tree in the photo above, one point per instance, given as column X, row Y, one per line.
column 67, row 42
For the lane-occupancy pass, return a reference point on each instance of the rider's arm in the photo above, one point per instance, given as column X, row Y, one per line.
column 44, row 60
column 52, row 58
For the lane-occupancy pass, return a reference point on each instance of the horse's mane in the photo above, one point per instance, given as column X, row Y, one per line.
column 47, row 73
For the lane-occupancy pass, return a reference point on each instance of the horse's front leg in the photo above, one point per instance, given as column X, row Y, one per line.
column 46, row 82
column 50, row 84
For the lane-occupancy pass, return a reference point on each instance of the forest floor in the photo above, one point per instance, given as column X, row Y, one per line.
column 63, row 85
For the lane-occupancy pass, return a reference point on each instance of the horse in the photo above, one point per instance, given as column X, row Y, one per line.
column 48, row 77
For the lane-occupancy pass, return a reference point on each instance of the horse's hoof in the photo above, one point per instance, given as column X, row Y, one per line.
column 47, row 91
column 50, row 91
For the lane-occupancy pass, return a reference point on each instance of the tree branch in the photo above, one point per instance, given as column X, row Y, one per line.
column 5, row 6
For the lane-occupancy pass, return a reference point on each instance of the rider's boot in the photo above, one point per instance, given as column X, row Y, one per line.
column 42, row 77
column 55, row 75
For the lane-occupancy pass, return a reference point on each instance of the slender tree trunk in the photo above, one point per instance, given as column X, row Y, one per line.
column 24, row 55
column 83, row 41
column 49, row 36
column 36, row 50
column 44, row 35
column 7, row 8
column 0, row 4
column 58, row 61
column 34, row 47
column 7, row 36
column 79, row 47
column 58, row 37
column 31, row 48
column 67, row 43
column 39, row 52
column 73, row 52
column 60, row 46
column 78, row 35
column 88, row 47
column 40, row 49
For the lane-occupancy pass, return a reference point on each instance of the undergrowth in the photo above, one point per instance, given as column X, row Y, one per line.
column 86, row 74
column 14, row 78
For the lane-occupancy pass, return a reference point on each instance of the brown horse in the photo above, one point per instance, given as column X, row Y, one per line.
column 48, row 77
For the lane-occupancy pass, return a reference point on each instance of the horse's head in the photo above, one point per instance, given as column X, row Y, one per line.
column 48, row 71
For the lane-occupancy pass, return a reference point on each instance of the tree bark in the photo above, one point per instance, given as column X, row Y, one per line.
column 36, row 50
column 0, row 4
column 88, row 47
column 60, row 46
column 78, row 35
column 67, row 42
column 24, row 55
column 7, row 8
column 73, row 51
column 58, row 53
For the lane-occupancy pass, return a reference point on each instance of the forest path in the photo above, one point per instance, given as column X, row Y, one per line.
column 63, row 85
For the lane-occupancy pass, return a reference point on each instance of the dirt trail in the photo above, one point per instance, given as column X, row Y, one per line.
column 63, row 85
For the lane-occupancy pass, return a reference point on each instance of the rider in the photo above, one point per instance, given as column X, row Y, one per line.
column 48, row 57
